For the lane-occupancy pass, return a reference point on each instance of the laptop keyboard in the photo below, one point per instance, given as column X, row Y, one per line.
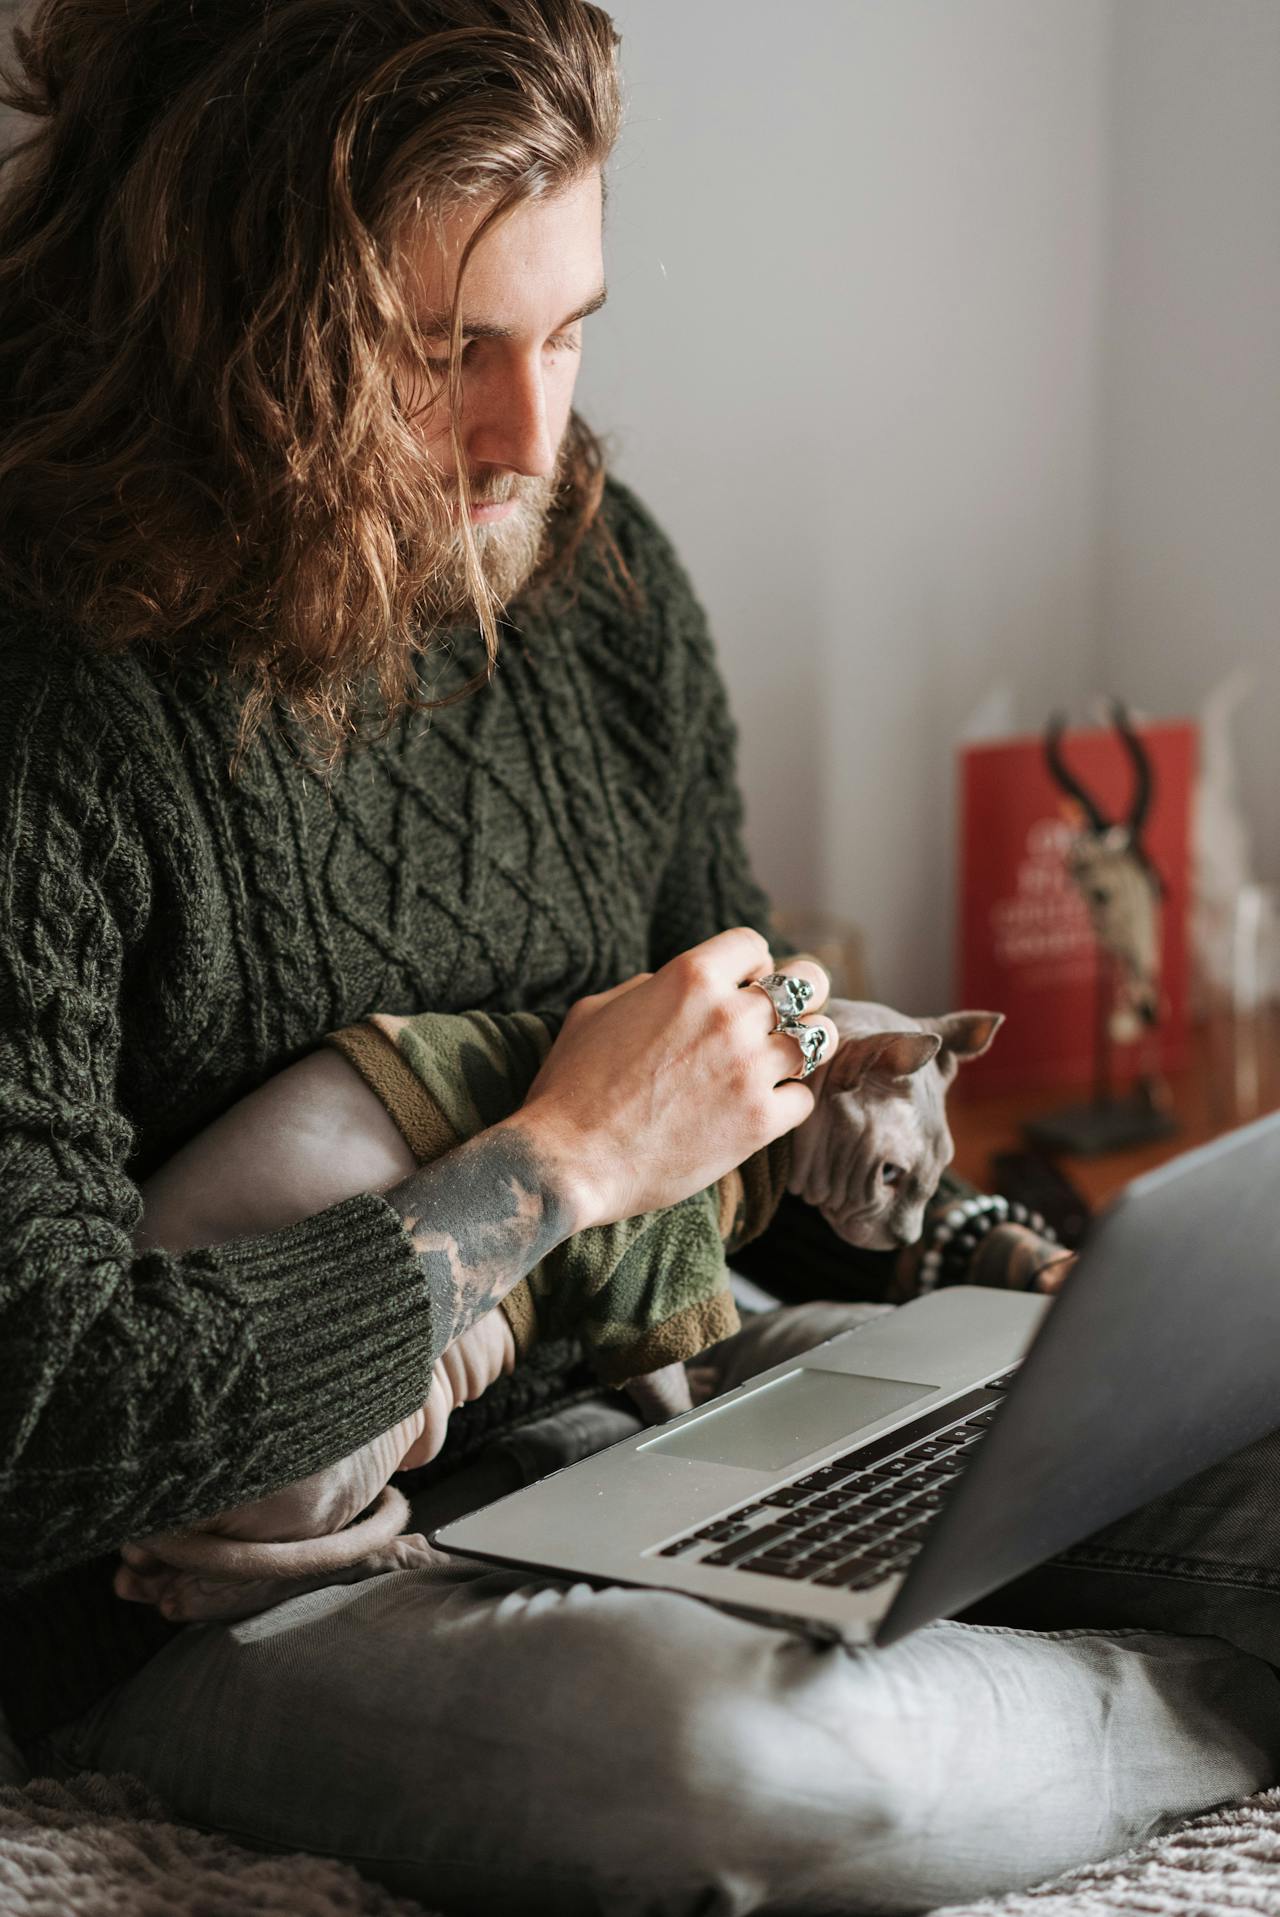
column 858, row 1518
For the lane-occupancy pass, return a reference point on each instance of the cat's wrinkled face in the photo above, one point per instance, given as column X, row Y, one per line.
column 871, row 1153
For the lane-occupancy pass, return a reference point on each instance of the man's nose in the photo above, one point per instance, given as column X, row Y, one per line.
column 509, row 425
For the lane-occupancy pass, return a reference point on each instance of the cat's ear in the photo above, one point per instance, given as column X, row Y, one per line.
column 964, row 1035
column 887, row 1056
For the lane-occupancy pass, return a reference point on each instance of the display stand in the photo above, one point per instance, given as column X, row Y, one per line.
column 1109, row 1121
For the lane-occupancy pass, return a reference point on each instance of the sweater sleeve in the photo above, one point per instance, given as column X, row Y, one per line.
column 143, row 1393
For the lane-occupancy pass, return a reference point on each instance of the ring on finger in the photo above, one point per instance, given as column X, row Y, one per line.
column 786, row 993
column 812, row 1040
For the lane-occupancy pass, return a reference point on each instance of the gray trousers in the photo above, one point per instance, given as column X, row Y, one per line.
column 491, row 1741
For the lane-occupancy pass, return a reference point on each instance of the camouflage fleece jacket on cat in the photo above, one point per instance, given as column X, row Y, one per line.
column 640, row 1294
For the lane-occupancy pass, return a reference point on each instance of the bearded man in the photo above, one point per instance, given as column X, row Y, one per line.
column 335, row 676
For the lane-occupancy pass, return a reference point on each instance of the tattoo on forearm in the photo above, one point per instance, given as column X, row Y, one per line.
column 480, row 1220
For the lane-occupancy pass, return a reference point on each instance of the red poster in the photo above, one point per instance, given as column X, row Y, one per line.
column 1026, row 943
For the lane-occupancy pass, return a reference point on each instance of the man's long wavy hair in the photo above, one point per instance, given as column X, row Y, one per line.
column 205, row 339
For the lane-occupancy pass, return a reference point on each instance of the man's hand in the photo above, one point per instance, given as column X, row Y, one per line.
column 1052, row 1275
column 1011, row 1257
column 654, row 1090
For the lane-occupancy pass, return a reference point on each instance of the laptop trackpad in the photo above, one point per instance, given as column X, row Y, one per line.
column 768, row 1429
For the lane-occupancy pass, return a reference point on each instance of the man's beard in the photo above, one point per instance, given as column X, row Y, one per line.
column 508, row 550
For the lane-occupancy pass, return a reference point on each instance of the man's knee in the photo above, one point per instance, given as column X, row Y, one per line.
column 704, row 1758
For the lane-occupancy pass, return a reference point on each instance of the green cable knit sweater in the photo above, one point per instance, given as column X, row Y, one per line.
column 168, row 939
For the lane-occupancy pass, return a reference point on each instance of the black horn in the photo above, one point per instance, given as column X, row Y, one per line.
column 1140, row 759
column 1066, row 778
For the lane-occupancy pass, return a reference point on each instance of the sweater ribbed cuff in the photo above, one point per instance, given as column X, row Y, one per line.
column 339, row 1314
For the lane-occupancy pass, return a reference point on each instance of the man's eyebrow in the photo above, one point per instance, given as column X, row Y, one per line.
column 436, row 325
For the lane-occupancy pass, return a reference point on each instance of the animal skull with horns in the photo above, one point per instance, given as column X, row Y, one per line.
column 1117, row 880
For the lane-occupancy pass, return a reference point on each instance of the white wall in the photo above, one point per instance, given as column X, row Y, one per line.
column 853, row 360
column 1191, row 480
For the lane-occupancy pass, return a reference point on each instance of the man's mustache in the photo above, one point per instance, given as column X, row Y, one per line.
column 497, row 490
column 489, row 493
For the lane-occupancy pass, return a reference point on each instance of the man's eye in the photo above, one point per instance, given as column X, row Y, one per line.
column 891, row 1174
column 438, row 360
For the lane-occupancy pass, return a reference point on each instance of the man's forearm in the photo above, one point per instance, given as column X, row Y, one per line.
column 481, row 1218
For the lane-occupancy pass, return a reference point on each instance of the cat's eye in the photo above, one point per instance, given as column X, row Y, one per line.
column 891, row 1174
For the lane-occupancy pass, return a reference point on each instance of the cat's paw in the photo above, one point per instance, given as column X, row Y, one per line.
column 195, row 1597
column 659, row 1395
column 704, row 1382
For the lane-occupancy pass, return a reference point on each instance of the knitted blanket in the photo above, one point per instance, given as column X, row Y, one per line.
column 101, row 1847
column 640, row 1294
column 1222, row 1864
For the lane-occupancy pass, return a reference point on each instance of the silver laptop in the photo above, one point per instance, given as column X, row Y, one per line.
column 898, row 1472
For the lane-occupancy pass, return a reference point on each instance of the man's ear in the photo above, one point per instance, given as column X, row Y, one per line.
column 885, row 1056
column 964, row 1035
